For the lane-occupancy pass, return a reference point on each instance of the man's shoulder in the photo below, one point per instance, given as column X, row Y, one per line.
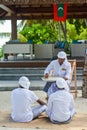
column 54, row 61
column 16, row 89
column 67, row 63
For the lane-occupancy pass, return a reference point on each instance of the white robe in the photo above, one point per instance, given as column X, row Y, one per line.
column 60, row 106
column 63, row 70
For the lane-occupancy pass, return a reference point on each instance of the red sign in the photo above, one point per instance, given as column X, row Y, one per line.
column 60, row 12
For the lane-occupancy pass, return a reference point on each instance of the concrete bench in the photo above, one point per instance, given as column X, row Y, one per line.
column 78, row 50
column 46, row 51
column 17, row 48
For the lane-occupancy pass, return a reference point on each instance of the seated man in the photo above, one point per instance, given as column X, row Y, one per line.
column 59, row 68
column 21, row 99
column 60, row 107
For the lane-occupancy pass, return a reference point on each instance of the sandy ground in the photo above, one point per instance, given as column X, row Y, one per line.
column 79, row 122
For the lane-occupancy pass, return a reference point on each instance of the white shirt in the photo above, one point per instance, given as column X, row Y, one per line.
column 60, row 106
column 21, row 100
column 63, row 70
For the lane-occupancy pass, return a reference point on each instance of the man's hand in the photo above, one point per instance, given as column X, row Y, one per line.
column 46, row 75
column 65, row 78
column 41, row 102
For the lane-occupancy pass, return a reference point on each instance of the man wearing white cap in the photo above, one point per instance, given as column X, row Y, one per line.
column 61, row 107
column 59, row 67
column 21, row 99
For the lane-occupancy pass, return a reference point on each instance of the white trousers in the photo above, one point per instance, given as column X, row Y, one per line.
column 38, row 110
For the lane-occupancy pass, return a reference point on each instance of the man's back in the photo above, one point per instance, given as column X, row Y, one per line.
column 59, row 103
column 21, row 100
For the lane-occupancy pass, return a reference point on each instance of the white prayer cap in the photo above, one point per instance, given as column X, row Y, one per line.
column 24, row 82
column 62, row 55
column 61, row 83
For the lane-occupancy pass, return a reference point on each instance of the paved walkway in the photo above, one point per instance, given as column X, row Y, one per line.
column 35, row 85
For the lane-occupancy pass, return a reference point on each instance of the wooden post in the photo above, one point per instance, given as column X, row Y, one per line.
column 73, row 73
column 75, row 79
column 14, row 26
column 84, row 88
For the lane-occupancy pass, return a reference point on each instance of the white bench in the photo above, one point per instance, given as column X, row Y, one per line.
column 17, row 48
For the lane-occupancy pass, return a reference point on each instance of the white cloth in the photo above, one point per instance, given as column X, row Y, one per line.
column 63, row 70
column 62, row 55
column 38, row 110
column 53, row 88
column 60, row 106
column 21, row 100
column 61, row 83
column 24, row 82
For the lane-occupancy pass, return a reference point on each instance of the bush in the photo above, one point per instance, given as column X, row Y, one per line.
column 1, row 52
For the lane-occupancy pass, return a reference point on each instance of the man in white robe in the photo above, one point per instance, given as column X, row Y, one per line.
column 21, row 100
column 59, row 68
column 61, row 106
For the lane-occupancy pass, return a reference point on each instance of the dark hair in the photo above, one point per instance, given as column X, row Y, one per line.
column 20, row 86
